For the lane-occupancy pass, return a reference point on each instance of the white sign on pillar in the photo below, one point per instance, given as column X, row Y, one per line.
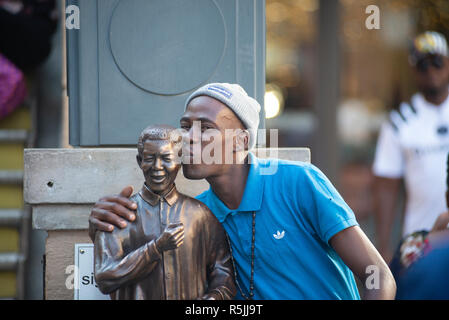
column 86, row 288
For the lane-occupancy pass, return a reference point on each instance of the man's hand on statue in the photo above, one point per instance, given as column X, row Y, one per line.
column 171, row 238
column 111, row 211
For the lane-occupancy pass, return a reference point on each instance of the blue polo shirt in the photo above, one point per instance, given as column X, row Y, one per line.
column 297, row 212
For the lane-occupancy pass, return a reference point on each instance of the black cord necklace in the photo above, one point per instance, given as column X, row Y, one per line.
column 251, row 283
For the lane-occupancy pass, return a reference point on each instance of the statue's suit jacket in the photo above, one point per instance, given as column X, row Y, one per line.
column 129, row 266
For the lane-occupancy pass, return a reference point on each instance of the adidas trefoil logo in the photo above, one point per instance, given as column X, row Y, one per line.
column 279, row 235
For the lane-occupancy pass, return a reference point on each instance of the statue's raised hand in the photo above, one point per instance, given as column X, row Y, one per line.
column 171, row 238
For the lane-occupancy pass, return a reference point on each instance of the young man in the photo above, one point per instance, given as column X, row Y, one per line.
column 175, row 248
column 413, row 146
column 292, row 236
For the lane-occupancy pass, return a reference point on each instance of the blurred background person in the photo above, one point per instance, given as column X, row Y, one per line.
column 26, row 29
column 413, row 145
column 427, row 279
column 12, row 87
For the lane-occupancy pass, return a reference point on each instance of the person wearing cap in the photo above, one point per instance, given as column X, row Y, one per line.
column 291, row 234
column 413, row 145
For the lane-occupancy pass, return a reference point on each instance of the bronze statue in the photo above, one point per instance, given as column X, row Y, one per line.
column 175, row 248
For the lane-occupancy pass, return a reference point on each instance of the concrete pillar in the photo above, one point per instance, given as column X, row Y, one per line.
column 327, row 94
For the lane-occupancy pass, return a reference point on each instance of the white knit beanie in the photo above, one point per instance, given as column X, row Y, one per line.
column 235, row 97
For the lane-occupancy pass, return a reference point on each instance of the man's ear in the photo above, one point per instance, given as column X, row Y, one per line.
column 139, row 160
column 242, row 141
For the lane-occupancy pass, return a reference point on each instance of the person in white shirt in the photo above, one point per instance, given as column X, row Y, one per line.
column 413, row 145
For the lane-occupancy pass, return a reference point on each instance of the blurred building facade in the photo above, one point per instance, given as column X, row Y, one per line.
column 373, row 77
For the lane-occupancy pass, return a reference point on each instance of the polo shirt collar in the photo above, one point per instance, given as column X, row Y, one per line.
column 252, row 196
column 153, row 199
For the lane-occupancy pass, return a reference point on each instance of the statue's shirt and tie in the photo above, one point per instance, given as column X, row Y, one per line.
column 129, row 263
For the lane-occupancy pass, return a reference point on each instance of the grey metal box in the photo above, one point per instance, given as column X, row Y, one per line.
column 134, row 62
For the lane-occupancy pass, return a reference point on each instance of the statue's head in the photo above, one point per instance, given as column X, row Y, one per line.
column 158, row 156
